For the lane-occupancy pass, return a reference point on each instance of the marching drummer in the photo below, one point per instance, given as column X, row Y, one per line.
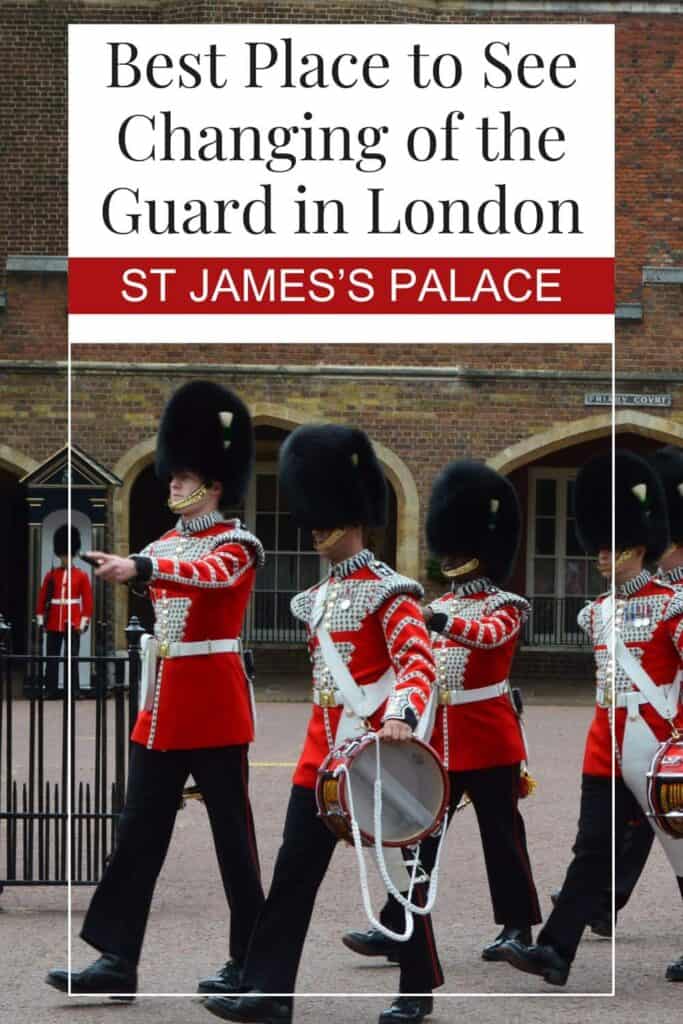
column 639, row 837
column 334, row 486
column 637, row 637
column 473, row 525
column 669, row 465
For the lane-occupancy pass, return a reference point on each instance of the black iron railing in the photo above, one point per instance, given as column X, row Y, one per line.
column 50, row 773
column 552, row 623
column 269, row 621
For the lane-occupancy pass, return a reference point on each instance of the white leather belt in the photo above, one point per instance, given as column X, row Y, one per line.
column 623, row 697
column 451, row 697
column 368, row 697
column 179, row 649
column 70, row 600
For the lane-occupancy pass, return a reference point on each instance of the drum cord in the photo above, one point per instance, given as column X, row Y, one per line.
column 363, row 872
column 379, row 853
column 406, row 902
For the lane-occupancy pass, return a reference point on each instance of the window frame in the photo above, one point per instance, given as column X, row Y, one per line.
column 562, row 476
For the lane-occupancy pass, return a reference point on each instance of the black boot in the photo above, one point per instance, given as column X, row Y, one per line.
column 492, row 952
column 371, row 943
column 601, row 923
column 252, row 1008
column 674, row 971
column 411, row 1009
column 226, row 979
column 542, row 960
column 110, row 974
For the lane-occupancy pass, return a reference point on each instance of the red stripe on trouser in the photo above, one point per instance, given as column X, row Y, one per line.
column 431, row 944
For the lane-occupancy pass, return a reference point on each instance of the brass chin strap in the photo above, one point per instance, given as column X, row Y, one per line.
column 623, row 557
column 325, row 545
column 461, row 570
column 191, row 499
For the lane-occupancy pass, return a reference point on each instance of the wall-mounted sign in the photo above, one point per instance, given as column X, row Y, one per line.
column 622, row 398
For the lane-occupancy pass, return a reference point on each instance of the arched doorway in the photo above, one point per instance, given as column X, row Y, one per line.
column 552, row 569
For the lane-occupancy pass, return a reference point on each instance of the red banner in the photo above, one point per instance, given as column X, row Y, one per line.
column 341, row 286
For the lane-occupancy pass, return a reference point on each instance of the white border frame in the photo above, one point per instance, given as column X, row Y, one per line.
column 323, row 995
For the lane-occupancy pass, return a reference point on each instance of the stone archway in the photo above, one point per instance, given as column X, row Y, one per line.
column 16, row 462
column 563, row 435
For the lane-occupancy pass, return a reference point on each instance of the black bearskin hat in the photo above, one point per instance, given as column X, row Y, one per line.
column 330, row 477
column 60, row 541
column 668, row 463
column 474, row 511
column 206, row 429
column 640, row 505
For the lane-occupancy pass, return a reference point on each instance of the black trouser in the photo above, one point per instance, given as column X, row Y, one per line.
column 117, row 915
column 53, row 646
column 494, row 793
column 278, row 939
column 589, row 874
column 631, row 858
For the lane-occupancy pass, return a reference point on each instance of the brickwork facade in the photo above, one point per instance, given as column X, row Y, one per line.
column 518, row 406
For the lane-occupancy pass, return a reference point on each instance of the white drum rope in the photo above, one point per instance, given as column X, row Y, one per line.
column 409, row 906
column 406, row 902
column 363, row 872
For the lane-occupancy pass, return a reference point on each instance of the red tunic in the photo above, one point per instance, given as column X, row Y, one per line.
column 475, row 650
column 375, row 623
column 70, row 606
column 202, row 576
column 652, row 629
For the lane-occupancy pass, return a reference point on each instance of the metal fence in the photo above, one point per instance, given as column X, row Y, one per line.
column 552, row 623
column 269, row 621
column 47, row 776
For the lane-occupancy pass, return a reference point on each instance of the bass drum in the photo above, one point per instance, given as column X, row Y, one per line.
column 665, row 788
column 415, row 790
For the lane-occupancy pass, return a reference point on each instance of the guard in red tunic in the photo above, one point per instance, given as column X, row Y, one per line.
column 334, row 485
column 637, row 638
column 473, row 526
column 64, row 604
column 632, row 856
column 196, row 713
column 669, row 465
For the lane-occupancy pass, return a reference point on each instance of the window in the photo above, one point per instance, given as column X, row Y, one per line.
column 291, row 563
column 560, row 576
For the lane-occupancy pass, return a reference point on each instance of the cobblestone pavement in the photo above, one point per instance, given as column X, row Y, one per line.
column 187, row 931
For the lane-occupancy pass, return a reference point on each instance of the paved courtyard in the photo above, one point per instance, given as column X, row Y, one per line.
column 187, row 931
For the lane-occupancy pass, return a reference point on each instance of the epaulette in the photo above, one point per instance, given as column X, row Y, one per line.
column 240, row 536
column 391, row 584
column 301, row 605
column 674, row 608
column 501, row 598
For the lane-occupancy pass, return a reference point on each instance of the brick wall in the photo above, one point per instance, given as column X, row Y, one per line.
column 33, row 58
